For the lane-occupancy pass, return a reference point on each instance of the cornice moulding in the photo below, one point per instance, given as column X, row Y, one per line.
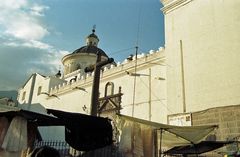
column 115, row 72
column 170, row 5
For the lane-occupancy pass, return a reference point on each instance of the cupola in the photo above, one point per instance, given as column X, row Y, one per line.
column 92, row 39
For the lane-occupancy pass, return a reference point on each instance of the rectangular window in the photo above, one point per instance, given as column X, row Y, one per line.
column 39, row 90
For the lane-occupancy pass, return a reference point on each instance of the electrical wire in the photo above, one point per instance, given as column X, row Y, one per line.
column 136, row 53
column 122, row 50
column 155, row 95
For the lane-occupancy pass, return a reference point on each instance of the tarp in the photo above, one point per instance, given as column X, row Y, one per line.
column 16, row 136
column 170, row 135
column 202, row 147
column 84, row 132
column 37, row 118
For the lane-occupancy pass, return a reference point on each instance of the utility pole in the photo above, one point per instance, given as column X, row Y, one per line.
column 96, row 80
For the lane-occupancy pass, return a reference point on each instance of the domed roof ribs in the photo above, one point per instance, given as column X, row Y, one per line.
column 90, row 49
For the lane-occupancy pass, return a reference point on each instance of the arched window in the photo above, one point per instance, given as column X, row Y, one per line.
column 109, row 89
column 39, row 90
column 67, row 69
column 78, row 66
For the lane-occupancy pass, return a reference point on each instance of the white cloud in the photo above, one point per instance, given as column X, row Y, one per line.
column 37, row 44
column 13, row 44
column 63, row 53
column 30, row 44
column 18, row 62
column 27, row 30
column 13, row 4
column 19, row 19
column 38, row 10
column 22, row 35
column 52, row 57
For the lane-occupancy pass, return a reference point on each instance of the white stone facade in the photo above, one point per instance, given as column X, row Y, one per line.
column 201, row 70
column 75, row 95
column 206, row 33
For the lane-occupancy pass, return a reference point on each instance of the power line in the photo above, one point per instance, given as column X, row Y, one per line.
column 136, row 54
column 156, row 96
column 122, row 50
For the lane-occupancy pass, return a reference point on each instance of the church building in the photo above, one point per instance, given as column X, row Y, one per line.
column 193, row 80
column 135, row 87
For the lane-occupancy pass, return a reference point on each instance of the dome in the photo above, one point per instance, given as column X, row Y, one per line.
column 90, row 49
column 83, row 56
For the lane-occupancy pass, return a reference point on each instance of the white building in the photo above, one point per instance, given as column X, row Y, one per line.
column 140, row 93
column 202, row 57
column 202, row 51
column 196, row 73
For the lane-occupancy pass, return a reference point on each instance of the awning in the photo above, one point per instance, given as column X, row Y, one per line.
column 202, row 147
column 170, row 135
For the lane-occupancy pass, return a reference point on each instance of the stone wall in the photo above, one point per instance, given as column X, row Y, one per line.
column 227, row 118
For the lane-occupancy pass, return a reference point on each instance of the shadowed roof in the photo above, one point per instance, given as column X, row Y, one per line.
column 90, row 49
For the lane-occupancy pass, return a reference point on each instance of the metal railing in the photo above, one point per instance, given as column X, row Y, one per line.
column 64, row 150
column 62, row 146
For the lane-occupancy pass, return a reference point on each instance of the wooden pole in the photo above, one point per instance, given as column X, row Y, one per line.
column 183, row 78
column 150, row 94
column 155, row 134
column 160, row 145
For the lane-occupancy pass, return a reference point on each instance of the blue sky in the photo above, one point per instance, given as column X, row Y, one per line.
column 36, row 34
